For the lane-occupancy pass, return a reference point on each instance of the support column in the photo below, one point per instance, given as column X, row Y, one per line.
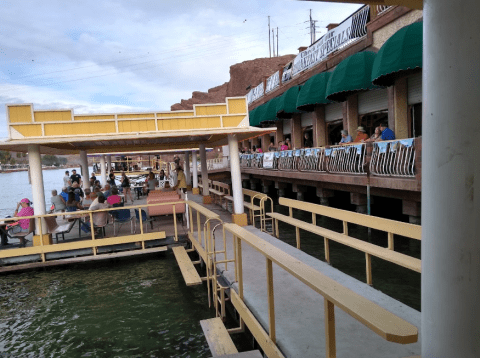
column 280, row 188
column 84, row 166
column 103, row 171
column 352, row 115
column 207, row 199
column 400, row 108
column 324, row 195
column 109, row 163
column 319, row 127
column 238, row 216
column 297, row 138
column 195, row 189
column 38, row 194
column 265, row 142
column 299, row 190
column 451, row 179
column 279, row 132
column 360, row 200
column 186, row 166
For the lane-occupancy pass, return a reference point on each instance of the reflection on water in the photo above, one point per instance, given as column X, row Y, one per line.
column 120, row 309
column 15, row 187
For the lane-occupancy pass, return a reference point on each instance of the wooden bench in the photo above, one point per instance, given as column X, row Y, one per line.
column 189, row 273
column 219, row 191
column 200, row 185
column 250, row 205
column 218, row 338
column 391, row 226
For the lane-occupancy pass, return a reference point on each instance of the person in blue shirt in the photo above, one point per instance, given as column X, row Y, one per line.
column 64, row 193
column 346, row 138
column 387, row 133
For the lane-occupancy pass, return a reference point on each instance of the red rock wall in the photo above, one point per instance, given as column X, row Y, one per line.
column 248, row 73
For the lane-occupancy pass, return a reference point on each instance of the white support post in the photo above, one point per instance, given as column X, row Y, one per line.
column 186, row 168
column 38, row 194
column 203, row 161
column 194, row 169
column 84, row 165
column 103, row 170
column 236, row 174
column 451, row 179
column 109, row 163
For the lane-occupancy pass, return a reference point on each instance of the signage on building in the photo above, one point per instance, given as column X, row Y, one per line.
column 273, row 82
column 350, row 29
column 287, row 73
column 268, row 160
column 255, row 93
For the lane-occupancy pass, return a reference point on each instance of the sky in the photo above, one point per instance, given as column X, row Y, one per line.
column 122, row 56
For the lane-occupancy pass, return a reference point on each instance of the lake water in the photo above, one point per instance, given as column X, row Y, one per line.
column 15, row 187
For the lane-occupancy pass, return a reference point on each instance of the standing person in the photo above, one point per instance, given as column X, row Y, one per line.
column 361, row 135
column 111, row 179
column 152, row 182
column 162, row 175
column 387, row 133
column 66, row 179
column 346, row 138
column 307, row 143
column 181, row 180
column 288, row 144
column 271, row 147
column 126, row 187
column 92, row 180
column 76, row 178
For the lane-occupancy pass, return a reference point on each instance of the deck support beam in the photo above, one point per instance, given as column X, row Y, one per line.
column 84, row 165
column 103, row 171
column 450, row 179
column 195, row 189
column 186, row 166
column 239, row 217
column 38, row 193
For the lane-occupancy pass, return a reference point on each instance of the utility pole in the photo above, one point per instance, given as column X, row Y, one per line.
column 277, row 41
column 269, row 46
column 311, row 30
column 273, row 42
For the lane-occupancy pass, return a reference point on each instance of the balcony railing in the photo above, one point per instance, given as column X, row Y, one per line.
column 393, row 158
column 347, row 159
column 382, row 8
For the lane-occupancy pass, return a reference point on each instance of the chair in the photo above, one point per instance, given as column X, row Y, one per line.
column 100, row 220
column 21, row 235
column 121, row 217
column 54, row 228
column 145, row 219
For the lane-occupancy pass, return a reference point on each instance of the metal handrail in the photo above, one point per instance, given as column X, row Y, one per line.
column 393, row 158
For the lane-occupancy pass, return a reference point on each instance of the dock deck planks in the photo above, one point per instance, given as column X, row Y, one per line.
column 189, row 273
column 218, row 338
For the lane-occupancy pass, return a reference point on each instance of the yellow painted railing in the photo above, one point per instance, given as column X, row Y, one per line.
column 391, row 227
column 384, row 323
column 92, row 243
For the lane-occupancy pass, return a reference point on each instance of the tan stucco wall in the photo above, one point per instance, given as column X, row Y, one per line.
column 384, row 33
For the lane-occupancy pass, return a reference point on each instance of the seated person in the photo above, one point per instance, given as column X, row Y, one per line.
column 374, row 136
column 64, row 193
column 162, row 175
column 107, row 192
column 346, row 138
column 92, row 179
column 22, row 225
column 99, row 219
column 78, row 192
column 114, row 199
column 387, row 133
column 361, row 135
column 58, row 202
column 111, row 179
column 87, row 200
column 72, row 204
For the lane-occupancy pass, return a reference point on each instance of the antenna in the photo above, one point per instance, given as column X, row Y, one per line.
column 269, row 46
column 277, row 41
column 273, row 41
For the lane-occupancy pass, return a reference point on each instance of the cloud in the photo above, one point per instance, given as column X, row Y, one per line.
column 105, row 55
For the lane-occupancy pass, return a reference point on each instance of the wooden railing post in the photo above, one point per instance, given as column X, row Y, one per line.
column 239, row 267
column 175, row 223
column 271, row 301
column 345, row 227
column 327, row 249
column 390, row 241
column 92, row 230
column 199, row 230
column 368, row 262
column 330, row 344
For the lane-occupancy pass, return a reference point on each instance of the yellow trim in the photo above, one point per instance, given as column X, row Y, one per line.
column 29, row 130
column 94, row 117
column 237, row 105
column 52, row 116
column 20, row 113
column 136, row 126
column 136, row 115
column 232, row 121
column 210, row 110
column 176, row 114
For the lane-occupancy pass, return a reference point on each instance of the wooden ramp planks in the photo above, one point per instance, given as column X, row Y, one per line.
column 218, row 338
column 189, row 273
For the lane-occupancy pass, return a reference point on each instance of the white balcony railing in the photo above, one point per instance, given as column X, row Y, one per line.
column 393, row 158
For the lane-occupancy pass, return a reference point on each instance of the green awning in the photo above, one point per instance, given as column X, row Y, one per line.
column 401, row 54
column 313, row 92
column 252, row 118
column 351, row 75
column 271, row 110
column 287, row 103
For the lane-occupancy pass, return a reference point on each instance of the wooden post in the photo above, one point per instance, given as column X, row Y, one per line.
column 271, row 300
column 345, row 228
column 297, row 236
column 368, row 259
column 92, row 229
column 199, row 230
column 330, row 344
column 327, row 249
column 175, row 223
column 390, row 241
column 239, row 267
